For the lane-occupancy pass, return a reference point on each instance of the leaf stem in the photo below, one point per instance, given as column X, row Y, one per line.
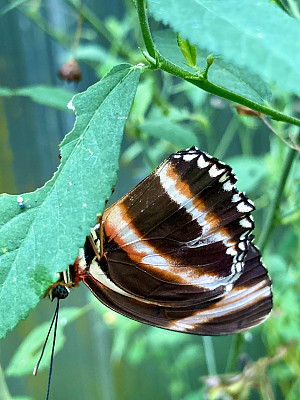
column 200, row 81
column 209, row 355
column 269, row 224
column 145, row 29
column 226, row 94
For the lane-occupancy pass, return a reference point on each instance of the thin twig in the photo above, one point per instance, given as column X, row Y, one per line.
column 293, row 146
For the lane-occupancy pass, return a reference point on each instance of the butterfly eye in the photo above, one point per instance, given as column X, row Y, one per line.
column 60, row 291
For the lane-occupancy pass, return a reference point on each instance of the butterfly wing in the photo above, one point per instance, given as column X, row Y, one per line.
column 183, row 229
column 176, row 244
column 245, row 306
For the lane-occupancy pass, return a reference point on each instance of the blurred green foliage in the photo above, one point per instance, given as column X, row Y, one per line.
column 110, row 357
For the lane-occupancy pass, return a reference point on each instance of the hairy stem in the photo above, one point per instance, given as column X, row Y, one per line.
column 145, row 28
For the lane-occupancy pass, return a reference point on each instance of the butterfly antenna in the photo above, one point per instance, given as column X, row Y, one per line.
column 53, row 347
column 54, row 321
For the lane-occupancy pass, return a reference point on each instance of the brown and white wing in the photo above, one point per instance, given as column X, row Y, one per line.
column 181, row 235
column 178, row 251
column 247, row 304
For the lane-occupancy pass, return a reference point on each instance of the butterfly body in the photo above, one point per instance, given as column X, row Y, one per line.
column 176, row 252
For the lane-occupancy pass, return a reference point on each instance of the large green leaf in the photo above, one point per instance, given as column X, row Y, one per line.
column 222, row 73
column 44, row 237
column 254, row 34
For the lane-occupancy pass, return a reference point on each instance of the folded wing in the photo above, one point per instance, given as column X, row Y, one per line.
column 248, row 303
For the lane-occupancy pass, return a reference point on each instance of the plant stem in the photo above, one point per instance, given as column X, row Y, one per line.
column 269, row 224
column 226, row 94
column 164, row 64
column 91, row 18
column 79, row 29
column 234, row 351
column 226, row 138
column 209, row 355
column 145, row 28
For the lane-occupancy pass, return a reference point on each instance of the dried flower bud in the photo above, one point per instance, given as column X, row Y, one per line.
column 243, row 110
column 70, row 71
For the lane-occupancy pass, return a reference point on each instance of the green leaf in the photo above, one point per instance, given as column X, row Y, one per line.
column 47, row 95
column 250, row 170
column 189, row 52
column 221, row 73
column 162, row 128
column 21, row 398
column 252, row 34
column 28, row 353
column 132, row 152
column 6, row 92
column 11, row 6
column 95, row 54
column 143, row 100
column 44, row 237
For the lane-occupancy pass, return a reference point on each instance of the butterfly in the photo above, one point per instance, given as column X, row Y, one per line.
column 177, row 252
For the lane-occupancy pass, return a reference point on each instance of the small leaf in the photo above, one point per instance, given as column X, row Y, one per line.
column 43, row 237
column 189, row 51
column 47, row 95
